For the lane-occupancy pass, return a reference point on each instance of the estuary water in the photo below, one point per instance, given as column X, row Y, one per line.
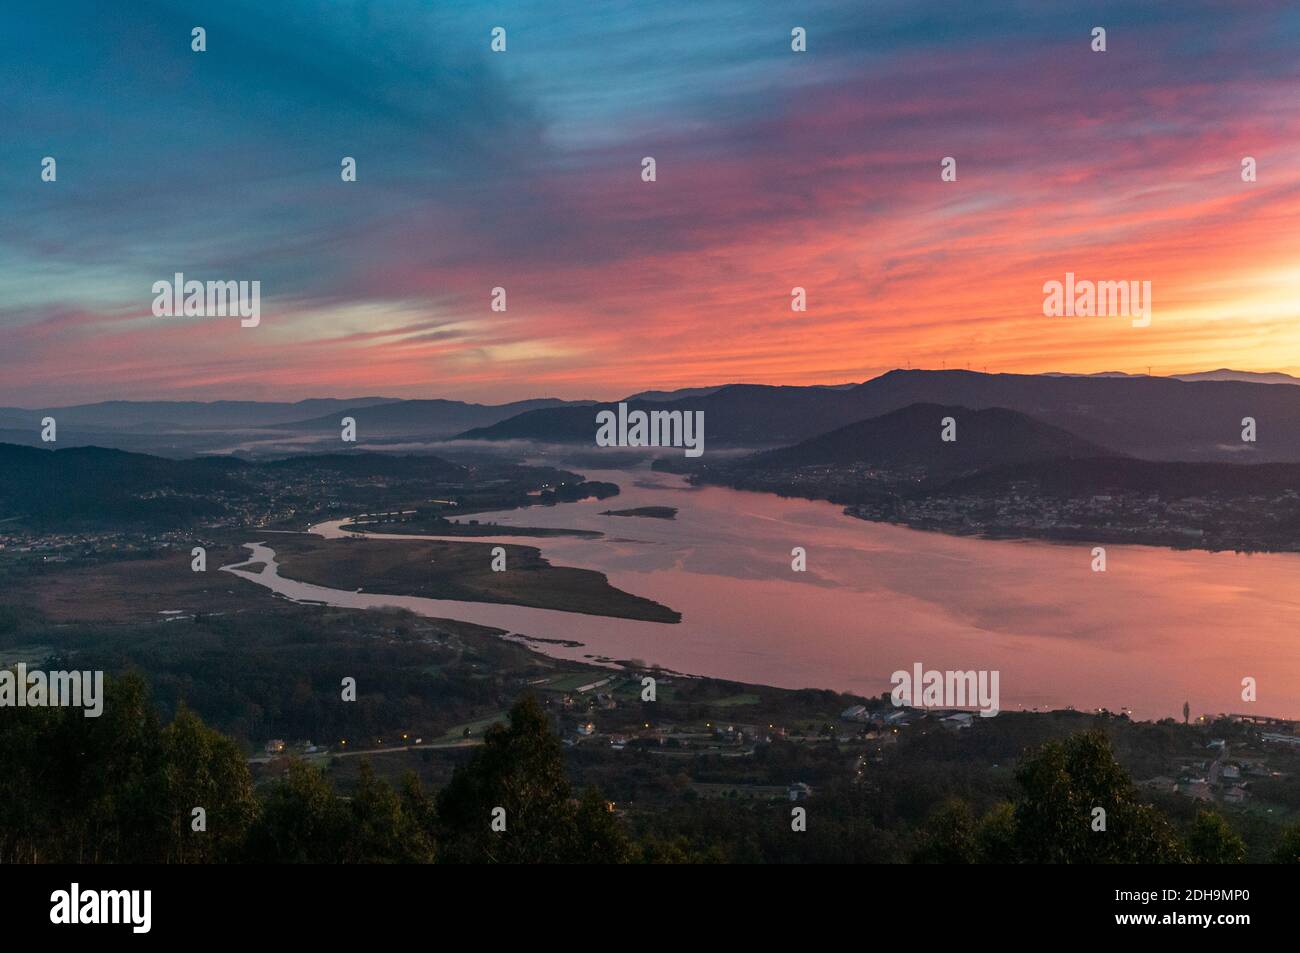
column 1158, row 628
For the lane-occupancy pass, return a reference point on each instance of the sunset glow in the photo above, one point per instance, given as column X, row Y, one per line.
column 521, row 170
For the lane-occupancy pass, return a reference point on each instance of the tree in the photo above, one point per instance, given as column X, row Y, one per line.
column 119, row 788
column 1056, row 819
column 948, row 836
column 202, row 768
column 995, row 838
column 598, row 836
column 301, row 821
column 384, row 827
column 1288, row 847
column 517, row 779
column 1212, row 841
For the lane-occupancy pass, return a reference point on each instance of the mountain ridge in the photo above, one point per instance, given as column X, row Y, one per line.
column 1148, row 417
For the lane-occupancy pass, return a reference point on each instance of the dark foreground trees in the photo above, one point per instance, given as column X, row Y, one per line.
column 124, row 788
column 1078, row 806
column 119, row 788
column 517, row 780
column 302, row 820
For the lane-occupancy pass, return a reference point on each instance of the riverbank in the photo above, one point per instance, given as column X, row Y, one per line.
column 511, row 575
column 876, row 598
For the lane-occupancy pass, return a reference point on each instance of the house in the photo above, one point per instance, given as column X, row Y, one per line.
column 961, row 719
column 856, row 713
column 586, row 729
column 275, row 746
column 1160, row 783
column 1273, row 737
column 898, row 718
column 798, row 791
column 1197, row 789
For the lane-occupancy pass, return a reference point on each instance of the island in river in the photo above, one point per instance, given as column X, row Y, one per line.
column 448, row 569
column 647, row 512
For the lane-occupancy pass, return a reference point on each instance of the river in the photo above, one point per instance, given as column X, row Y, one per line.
column 1157, row 628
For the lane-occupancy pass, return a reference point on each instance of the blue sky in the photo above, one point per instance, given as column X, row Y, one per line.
column 521, row 169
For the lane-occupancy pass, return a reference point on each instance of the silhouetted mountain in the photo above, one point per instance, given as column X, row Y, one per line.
column 737, row 415
column 1226, row 374
column 1082, row 478
column 1221, row 374
column 684, row 393
column 85, row 486
column 430, row 419
column 911, row 438
column 1093, row 374
column 113, row 415
column 369, row 465
column 679, row 394
column 93, row 484
column 1009, row 475
column 1151, row 417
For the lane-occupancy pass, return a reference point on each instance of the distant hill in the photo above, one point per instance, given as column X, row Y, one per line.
column 1224, row 374
column 911, row 438
column 1082, row 478
column 679, row 394
column 688, row 392
column 369, row 464
column 222, row 414
column 430, row 419
column 887, row 466
column 1163, row 418
column 86, row 486
column 93, row 484
column 735, row 415
column 1150, row 417
column 183, row 428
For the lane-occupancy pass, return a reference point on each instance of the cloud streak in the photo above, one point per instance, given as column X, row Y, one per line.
column 521, row 170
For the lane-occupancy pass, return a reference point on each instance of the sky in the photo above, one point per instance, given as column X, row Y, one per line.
column 522, row 169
